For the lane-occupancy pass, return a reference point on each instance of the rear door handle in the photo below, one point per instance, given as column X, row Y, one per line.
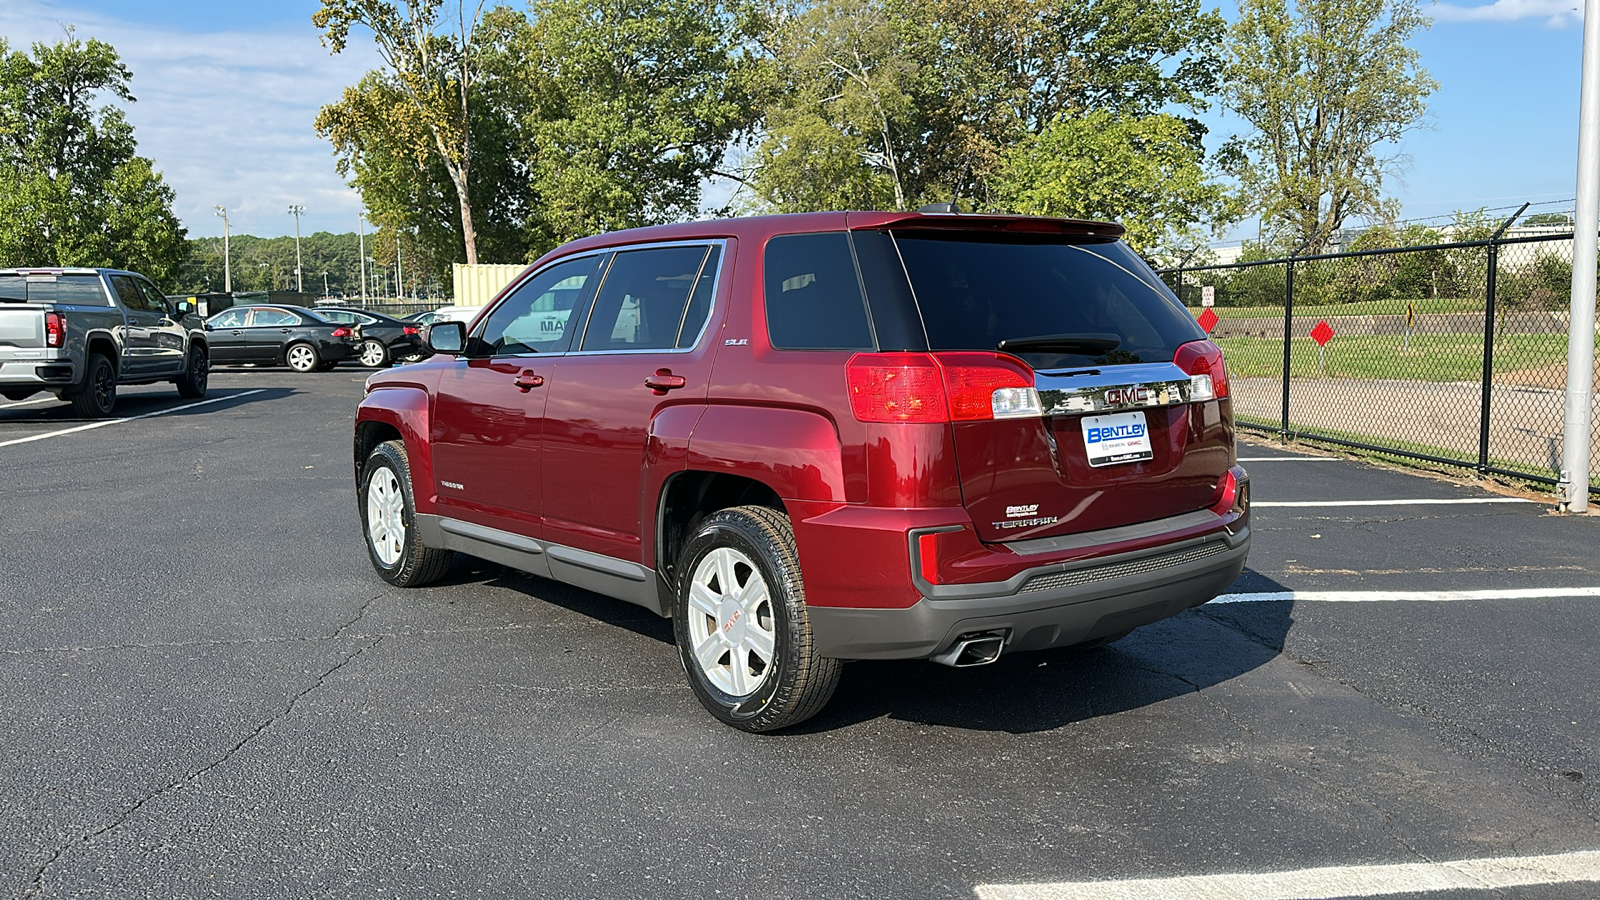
column 663, row 380
column 527, row 381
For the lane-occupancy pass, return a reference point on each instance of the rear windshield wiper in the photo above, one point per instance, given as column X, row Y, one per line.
column 1091, row 344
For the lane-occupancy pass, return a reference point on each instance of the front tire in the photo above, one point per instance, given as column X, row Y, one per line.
column 389, row 521
column 98, row 396
column 302, row 357
column 740, row 618
column 196, row 374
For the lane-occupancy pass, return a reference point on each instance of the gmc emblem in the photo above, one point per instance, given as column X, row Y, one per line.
column 1128, row 396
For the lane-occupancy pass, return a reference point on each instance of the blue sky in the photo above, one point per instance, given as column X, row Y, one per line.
column 227, row 92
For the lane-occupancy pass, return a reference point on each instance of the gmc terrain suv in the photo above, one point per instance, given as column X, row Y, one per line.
column 822, row 437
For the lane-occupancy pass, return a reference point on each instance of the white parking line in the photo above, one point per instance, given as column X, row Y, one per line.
column 160, row 412
column 1318, row 884
column 1406, row 596
column 1314, row 504
column 1288, row 459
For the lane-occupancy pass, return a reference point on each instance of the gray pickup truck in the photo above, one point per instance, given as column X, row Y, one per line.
column 79, row 333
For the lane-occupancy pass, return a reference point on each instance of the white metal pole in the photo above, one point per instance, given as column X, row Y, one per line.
column 361, row 223
column 299, row 280
column 227, row 254
column 1575, row 460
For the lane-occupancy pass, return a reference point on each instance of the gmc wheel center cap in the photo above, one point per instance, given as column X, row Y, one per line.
column 730, row 618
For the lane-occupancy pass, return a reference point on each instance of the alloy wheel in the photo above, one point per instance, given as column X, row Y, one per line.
column 386, row 527
column 731, row 626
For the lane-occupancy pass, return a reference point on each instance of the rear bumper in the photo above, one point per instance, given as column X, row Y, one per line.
column 40, row 374
column 1053, row 605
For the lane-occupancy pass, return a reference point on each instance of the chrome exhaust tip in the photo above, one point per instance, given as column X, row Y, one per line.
column 976, row 649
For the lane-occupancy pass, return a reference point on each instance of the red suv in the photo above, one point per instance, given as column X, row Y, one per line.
column 822, row 437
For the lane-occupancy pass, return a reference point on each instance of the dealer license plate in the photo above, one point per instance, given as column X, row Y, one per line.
column 1119, row 438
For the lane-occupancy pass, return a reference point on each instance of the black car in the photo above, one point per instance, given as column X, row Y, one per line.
column 302, row 339
column 380, row 339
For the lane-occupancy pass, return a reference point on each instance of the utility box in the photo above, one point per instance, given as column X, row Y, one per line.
column 477, row 285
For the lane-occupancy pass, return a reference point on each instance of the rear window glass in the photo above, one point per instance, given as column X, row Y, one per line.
column 1099, row 302
column 813, row 295
column 66, row 290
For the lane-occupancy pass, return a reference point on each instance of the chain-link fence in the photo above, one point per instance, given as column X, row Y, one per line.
column 1454, row 353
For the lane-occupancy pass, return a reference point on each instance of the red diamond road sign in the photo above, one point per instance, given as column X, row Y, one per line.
column 1208, row 320
column 1322, row 333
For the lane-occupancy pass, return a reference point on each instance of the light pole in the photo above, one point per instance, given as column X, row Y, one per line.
column 361, row 225
column 324, row 284
column 295, row 210
column 227, row 255
column 1578, row 419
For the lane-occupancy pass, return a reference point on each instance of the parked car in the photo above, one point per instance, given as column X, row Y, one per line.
column 81, row 333
column 380, row 339
column 823, row 437
column 303, row 340
column 445, row 314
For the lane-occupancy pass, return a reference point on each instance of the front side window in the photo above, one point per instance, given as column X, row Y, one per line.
column 813, row 295
column 231, row 318
column 645, row 301
column 538, row 316
column 128, row 292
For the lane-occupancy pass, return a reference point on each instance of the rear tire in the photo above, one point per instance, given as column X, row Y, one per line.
column 302, row 357
column 98, row 396
column 389, row 521
column 196, row 374
column 374, row 355
column 740, row 618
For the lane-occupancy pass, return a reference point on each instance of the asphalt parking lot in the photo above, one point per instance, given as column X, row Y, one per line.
column 206, row 692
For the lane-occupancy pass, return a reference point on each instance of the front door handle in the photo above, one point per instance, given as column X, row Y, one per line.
column 527, row 381
column 663, row 380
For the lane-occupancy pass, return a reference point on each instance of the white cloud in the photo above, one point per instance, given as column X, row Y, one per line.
column 1557, row 13
column 227, row 116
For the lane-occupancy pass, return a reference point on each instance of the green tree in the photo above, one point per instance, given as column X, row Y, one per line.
column 927, row 97
column 1143, row 172
column 73, row 190
column 635, row 106
column 431, row 76
column 1328, row 87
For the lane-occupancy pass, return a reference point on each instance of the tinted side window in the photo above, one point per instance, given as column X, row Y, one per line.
column 813, row 296
column 128, row 292
column 644, row 298
column 153, row 299
column 694, row 318
column 538, row 316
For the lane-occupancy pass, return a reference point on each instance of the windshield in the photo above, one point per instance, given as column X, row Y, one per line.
column 1056, row 305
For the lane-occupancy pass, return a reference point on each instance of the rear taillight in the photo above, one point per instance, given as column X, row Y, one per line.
column 55, row 330
column 411, row 329
column 1208, row 377
column 342, row 332
column 941, row 387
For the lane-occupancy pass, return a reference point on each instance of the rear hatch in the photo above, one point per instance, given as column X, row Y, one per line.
column 1124, row 432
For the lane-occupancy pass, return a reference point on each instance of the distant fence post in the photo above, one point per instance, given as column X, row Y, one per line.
column 1288, row 337
column 1489, row 292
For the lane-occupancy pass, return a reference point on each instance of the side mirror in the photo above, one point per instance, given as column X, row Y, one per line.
column 446, row 337
column 184, row 308
column 208, row 327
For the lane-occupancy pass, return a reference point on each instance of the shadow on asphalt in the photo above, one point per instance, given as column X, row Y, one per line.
column 1019, row 694
column 140, row 404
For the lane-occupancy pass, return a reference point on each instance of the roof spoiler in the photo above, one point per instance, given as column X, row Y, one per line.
column 990, row 222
